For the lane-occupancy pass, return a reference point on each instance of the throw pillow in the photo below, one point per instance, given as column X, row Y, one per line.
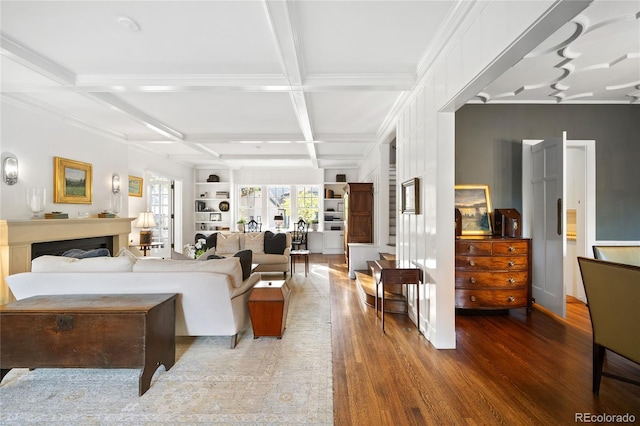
column 71, row 264
column 227, row 243
column 206, row 254
column 254, row 241
column 179, row 256
column 124, row 252
column 211, row 240
column 246, row 257
column 85, row 254
column 274, row 243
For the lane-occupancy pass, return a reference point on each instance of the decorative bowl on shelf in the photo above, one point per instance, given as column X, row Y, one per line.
column 223, row 206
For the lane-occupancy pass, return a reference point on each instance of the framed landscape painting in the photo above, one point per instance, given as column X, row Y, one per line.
column 474, row 204
column 135, row 186
column 72, row 181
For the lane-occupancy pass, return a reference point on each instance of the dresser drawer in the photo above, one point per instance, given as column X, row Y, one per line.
column 472, row 279
column 478, row 248
column 491, row 299
column 486, row 263
column 510, row 247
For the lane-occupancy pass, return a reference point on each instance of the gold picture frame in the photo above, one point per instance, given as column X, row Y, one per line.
column 72, row 181
column 474, row 203
column 135, row 186
column 411, row 196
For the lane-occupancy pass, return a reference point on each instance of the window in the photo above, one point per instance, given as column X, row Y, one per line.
column 250, row 203
column 278, row 202
column 307, row 203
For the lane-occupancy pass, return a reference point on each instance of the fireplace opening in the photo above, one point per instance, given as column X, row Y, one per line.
column 56, row 248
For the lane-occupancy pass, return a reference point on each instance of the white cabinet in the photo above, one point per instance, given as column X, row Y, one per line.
column 212, row 207
column 333, row 242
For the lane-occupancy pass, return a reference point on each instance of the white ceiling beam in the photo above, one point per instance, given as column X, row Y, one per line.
column 287, row 38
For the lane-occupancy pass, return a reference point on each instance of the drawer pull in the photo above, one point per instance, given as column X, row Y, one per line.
column 470, row 248
column 511, row 280
column 511, row 299
column 512, row 263
column 472, row 280
column 472, row 298
column 472, row 263
column 512, row 248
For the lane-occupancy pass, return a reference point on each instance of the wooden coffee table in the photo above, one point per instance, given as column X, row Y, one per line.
column 89, row 331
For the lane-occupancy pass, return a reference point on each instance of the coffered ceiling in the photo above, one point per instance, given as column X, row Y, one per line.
column 277, row 83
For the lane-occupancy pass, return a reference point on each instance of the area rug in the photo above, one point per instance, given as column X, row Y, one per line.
column 262, row 381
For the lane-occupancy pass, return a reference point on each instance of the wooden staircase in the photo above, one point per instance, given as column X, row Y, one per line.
column 394, row 300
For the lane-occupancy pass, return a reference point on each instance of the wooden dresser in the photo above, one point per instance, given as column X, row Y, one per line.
column 493, row 273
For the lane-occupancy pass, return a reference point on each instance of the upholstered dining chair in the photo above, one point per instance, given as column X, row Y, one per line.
column 252, row 226
column 299, row 235
column 613, row 292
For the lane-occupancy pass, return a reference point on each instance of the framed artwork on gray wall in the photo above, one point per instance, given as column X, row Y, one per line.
column 474, row 203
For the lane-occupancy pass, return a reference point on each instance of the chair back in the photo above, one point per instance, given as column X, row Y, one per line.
column 252, row 226
column 629, row 255
column 299, row 234
column 613, row 297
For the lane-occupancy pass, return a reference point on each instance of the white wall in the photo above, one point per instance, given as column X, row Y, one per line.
column 492, row 36
column 35, row 139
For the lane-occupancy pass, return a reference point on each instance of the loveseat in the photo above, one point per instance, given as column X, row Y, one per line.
column 271, row 252
column 212, row 295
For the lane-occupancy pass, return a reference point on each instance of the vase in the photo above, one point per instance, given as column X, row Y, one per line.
column 36, row 201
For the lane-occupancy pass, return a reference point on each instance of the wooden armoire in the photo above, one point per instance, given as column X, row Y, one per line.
column 358, row 214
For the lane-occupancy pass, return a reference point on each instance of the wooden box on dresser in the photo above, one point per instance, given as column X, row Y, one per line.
column 493, row 273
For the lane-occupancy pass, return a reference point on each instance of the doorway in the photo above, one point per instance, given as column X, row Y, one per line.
column 544, row 216
column 163, row 199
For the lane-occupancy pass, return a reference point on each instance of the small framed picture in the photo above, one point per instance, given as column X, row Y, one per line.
column 341, row 207
column 215, row 217
column 411, row 196
column 135, row 186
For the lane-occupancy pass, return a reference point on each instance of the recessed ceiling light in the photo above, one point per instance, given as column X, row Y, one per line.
column 129, row 24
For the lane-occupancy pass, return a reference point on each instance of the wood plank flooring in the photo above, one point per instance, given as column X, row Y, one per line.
column 507, row 369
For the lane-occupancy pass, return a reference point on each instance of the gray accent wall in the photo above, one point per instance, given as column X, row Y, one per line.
column 488, row 151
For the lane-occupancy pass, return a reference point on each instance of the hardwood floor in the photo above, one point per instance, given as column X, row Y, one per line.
column 507, row 369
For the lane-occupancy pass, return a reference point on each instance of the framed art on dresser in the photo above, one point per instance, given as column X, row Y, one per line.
column 474, row 203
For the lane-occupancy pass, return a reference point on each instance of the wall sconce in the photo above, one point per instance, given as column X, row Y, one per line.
column 115, row 183
column 10, row 169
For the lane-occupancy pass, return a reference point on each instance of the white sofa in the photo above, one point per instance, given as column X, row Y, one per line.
column 212, row 296
column 229, row 243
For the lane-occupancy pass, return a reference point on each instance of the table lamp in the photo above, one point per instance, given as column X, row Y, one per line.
column 146, row 221
column 278, row 219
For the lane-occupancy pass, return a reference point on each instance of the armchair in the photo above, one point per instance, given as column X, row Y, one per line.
column 613, row 292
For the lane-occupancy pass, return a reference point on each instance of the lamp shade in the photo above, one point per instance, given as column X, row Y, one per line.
column 145, row 220
column 278, row 218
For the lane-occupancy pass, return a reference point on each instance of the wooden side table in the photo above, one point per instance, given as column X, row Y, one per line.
column 268, row 305
column 398, row 272
column 299, row 253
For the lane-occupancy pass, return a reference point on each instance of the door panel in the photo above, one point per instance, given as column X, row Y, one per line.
column 548, row 224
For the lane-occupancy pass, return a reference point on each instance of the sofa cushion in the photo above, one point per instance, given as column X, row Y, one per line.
column 254, row 241
column 179, row 256
column 227, row 243
column 71, row 264
column 228, row 266
column 124, row 252
column 85, row 254
column 270, row 259
column 246, row 257
column 274, row 243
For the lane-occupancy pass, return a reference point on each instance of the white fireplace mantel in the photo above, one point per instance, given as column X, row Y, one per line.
column 16, row 237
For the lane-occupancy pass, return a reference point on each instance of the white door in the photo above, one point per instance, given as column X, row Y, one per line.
column 548, row 223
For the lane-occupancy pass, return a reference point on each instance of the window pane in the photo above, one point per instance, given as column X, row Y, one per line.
column 279, row 204
column 250, row 203
column 307, row 200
